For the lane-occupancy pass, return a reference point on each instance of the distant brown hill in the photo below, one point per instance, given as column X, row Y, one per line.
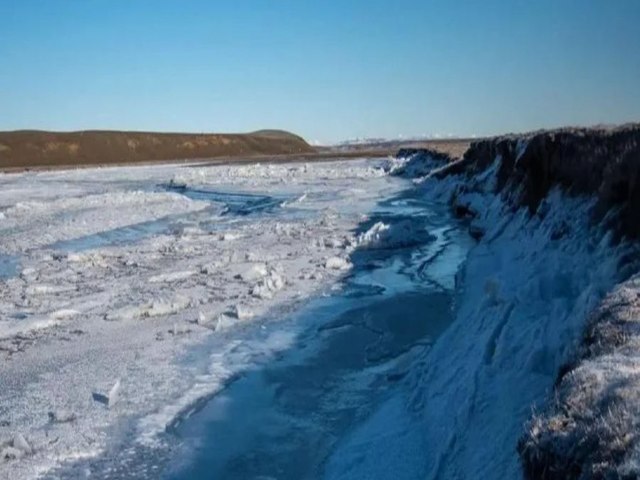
column 33, row 148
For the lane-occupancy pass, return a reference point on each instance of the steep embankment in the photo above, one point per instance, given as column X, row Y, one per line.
column 555, row 214
column 30, row 148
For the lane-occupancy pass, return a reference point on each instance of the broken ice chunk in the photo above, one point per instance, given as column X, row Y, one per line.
column 111, row 398
column 61, row 416
column 255, row 272
column 333, row 242
column 267, row 287
column 11, row 453
column 21, row 444
column 229, row 236
column 64, row 313
column 336, row 263
column 242, row 312
column 261, row 291
column 114, row 394
column 223, row 322
column 171, row 276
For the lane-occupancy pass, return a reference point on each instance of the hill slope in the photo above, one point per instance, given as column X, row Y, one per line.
column 30, row 148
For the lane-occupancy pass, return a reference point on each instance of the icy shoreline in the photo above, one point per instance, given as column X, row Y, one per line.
column 84, row 321
column 541, row 362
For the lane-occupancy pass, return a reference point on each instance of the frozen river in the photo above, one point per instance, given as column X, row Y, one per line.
column 285, row 419
column 299, row 321
column 252, row 316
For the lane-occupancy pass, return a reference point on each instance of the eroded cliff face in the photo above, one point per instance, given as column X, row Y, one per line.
column 548, row 320
column 602, row 163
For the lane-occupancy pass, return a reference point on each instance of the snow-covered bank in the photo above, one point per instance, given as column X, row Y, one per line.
column 567, row 211
column 113, row 280
column 553, row 213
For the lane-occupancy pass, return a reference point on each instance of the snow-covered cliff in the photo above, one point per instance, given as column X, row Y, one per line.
column 538, row 375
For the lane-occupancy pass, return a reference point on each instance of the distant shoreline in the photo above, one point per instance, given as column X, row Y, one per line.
column 31, row 150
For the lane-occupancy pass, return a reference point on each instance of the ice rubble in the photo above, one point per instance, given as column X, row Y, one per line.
column 17, row 448
column 65, row 218
column 258, row 173
column 73, row 321
column 336, row 263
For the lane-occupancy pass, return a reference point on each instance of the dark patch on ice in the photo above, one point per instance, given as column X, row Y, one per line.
column 100, row 398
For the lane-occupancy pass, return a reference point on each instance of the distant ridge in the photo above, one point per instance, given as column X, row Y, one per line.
column 35, row 148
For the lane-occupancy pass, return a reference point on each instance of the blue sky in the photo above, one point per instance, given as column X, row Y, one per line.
column 327, row 70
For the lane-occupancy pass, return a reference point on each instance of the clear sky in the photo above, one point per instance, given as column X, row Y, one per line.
column 328, row 70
